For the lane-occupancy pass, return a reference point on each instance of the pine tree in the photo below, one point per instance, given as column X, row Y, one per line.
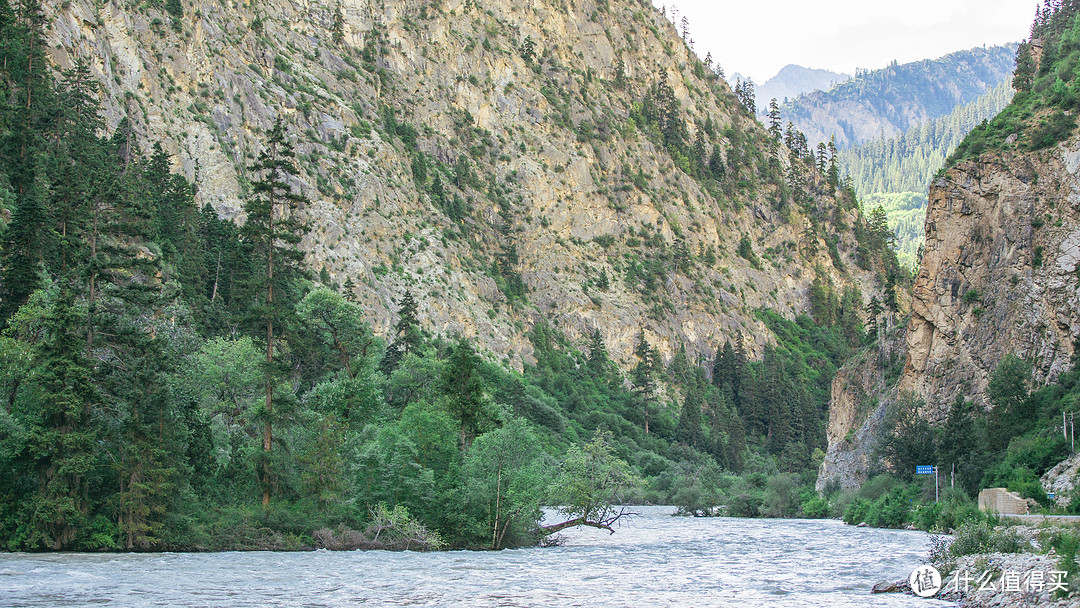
column 337, row 30
column 744, row 90
column 408, row 338
column 962, row 444
column 833, row 174
column 29, row 236
column 849, row 320
column 465, row 388
column 688, row 430
column 873, row 313
column 775, row 132
column 350, row 290
column 61, row 453
column 598, row 361
column 1025, row 68
column 273, row 229
column 643, row 375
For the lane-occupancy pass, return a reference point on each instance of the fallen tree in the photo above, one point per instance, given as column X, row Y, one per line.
column 589, row 486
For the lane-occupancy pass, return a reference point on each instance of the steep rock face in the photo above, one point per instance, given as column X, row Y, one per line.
column 523, row 110
column 999, row 274
column 862, row 391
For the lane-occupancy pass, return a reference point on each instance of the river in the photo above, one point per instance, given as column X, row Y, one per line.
column 651, row 560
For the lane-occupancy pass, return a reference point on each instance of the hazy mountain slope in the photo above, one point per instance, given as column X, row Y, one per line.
column 794, row 80
column 895, row 173
column 504, row 160
column 889, row 101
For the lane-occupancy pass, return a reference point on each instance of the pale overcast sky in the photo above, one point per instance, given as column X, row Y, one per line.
column 758, row 38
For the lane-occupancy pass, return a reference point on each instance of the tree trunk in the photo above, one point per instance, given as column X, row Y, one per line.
column 93, row 283
column 498, row 497
column 579, row 521
column 268, row 434
column 217, row 275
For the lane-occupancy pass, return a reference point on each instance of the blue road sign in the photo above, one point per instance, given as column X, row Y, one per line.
column 924, row 469
column 1051, row 495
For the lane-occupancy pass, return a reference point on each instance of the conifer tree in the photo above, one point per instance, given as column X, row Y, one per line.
column 32, row 102
column 465, row 388
column 1024, row 73
column 350, row 290
column 274, row 229
column 688, row 429
column 407, row 336
column 834, row 170
column 775, row 132
column 598, row 358
column 337, row 30
column 873, row 313
column 643, row 375
column 60, row 455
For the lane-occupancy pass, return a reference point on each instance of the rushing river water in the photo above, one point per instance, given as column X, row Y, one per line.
column 652, row 560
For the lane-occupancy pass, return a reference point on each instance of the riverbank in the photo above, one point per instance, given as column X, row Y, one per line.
column 1010, row 565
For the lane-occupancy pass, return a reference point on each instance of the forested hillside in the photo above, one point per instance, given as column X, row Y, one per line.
column 895, row 173
column 175, row 379
column 879, row 104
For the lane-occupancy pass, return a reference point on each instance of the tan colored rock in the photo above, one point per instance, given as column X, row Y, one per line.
column 210, row 92
column 998, row 275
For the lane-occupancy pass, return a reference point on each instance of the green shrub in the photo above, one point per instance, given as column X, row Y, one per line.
column 1049, row 132
column 856, row 511
column 971, row 537
column 892, row 510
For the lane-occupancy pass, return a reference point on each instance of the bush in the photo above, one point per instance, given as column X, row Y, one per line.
column 743, row 504
column 856, row 512
column 972, row 537
column 1049, row 132
column 814, row 506
column 892, row 510
column 781, row 497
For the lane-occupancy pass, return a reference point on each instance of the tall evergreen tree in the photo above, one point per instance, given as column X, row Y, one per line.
column 61, row 453
column 407, row 336
column 274, row 229
column 465, row 388
column 644, row 376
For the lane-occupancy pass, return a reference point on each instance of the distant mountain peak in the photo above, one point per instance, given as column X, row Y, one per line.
column 890, row 100
column 795, row 80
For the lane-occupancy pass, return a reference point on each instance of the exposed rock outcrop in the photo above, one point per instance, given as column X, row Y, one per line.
column 862, row 391
column 999, row 274
column 1061, row 480
column 525, row 112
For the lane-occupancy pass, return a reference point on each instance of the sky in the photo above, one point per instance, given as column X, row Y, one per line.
column 756, row 38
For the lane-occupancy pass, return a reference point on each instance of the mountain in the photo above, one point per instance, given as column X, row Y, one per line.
column 795, row 80
column 895, row 173
column 886, row 102
column 286, row 275
column 994, row 313
column 436, row 146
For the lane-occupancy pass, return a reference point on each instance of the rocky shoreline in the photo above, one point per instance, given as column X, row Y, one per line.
column 1027, row 579
column 1004, row 580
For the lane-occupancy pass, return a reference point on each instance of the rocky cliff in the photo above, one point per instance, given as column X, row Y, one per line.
column 506, row 161
column 862, row 391
column 999, row 273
